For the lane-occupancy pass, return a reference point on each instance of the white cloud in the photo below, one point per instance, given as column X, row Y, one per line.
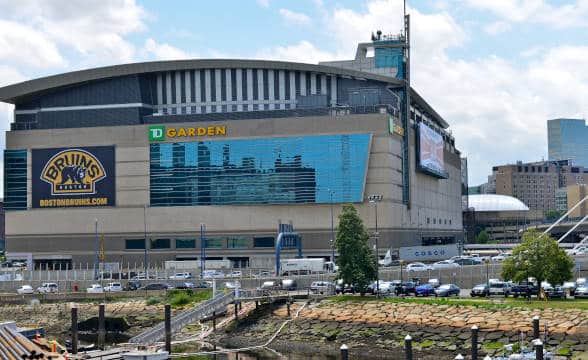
column 304, row 52
column 497, row 27
column 497, row 108
column 95, row 29
column 153, row 49
column 295, row 17
column 263, row 3
column 22, row 45
column 537, row 11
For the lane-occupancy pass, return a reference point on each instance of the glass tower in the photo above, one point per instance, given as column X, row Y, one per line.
column 568, row 139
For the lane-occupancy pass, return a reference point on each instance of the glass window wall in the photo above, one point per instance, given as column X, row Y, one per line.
column 260, row 171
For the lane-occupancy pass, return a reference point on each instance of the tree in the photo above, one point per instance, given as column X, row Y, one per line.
column 482, row 237
column 538, row 256
column 553, row 214
column 356, row 261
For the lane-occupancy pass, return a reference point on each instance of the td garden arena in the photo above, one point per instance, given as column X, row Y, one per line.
column 178, row 157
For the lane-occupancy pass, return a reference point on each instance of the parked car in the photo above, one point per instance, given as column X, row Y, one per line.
column 569, row 287
column 212, row 274
column 481, row 290
column 425, row 290
column 289, row 284
column 434, row 282
column 95, row 289
column 263, row 273
column 113, row 287
column 555, row 292
column 341, row 288
column 521, row 289
column 25, row 289
column 185, row 285
column 418, row 266
column 156, row 286
column 406, row 288
column 232, row 285
column 322, row 287
column 47, row 288
column 468, row 261
column 581, row 292
column 387, row 288
column 181, row 276
column 236, row 274
column 445, row 264
column 500, row 257
column 499, row 288
column 269, row 285
column 133, row 285
column 203, row 285
column 447, row 290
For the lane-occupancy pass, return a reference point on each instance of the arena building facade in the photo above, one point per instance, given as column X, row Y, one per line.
column 164, row 154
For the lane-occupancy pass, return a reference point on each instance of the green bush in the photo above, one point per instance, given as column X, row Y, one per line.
column 152, row 301
column 180, row 299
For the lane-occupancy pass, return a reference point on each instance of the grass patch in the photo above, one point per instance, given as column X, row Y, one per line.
column 493, row 345
column 563, row 352
column 179, row 298
column 508, row 303
column 427, row 343
column 153, row 301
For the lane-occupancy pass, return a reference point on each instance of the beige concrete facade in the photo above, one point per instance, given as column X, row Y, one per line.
column 69, row 232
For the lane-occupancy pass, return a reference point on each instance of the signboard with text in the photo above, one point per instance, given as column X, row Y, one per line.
column 428, row 253
column 73, row 177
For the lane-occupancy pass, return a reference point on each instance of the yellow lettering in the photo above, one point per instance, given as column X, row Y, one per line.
column 191, row 132
column 210, row 130
column 221, row 130
column 170, row 132
column 201, row 131
column 181, row 132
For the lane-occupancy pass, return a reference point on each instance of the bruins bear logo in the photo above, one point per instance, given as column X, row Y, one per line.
column 73, row 171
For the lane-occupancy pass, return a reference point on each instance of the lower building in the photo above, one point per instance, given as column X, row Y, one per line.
column 503, row 217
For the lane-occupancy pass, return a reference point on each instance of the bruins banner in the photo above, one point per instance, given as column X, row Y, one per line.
column 73, row 177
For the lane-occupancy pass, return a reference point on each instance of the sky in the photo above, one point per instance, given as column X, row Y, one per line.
column 494, row 70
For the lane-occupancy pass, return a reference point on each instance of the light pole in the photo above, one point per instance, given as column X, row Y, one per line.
column 146, row 242
column 375, row 199
column 96, row 249
column 487, row 261
column 332, row 228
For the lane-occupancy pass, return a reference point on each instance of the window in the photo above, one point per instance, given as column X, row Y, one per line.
column 160, row 244
column 434, row 221
column 15, row 179
column 428, row 220
column 185, row 243
column 215, row 243
column 264, row 242
column 259, row 171
column 135, row 244
column 237, row 243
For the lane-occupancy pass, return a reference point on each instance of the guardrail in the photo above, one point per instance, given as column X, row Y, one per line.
column 77, row 296
column 185, row 318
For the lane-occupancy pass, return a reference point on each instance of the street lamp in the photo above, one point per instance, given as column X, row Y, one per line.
column 331, row 192
column 96, row 249
column 375, row 199
column 146, row 243
column 487, row 261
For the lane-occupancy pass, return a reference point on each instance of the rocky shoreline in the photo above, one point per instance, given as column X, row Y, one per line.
column 375, row 330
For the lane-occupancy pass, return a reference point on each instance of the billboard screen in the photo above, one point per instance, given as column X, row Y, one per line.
column 73, row 177
column 430, row 147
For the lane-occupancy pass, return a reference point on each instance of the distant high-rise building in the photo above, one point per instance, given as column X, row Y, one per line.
column 568, row 139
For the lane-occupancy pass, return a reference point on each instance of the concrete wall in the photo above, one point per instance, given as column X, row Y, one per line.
column 70, row 232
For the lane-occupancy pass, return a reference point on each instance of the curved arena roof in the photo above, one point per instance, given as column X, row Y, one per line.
column 19, row 92
column 492, row 202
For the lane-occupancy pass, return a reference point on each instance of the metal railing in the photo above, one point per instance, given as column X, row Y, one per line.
column 190, row 316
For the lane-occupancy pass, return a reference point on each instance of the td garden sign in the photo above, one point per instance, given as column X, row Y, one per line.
column 161, row 133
